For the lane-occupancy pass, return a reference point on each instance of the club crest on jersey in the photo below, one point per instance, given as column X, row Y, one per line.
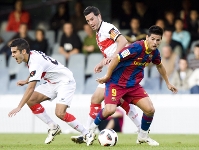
column 113, row 99
column 125, row 53
column 32, row 73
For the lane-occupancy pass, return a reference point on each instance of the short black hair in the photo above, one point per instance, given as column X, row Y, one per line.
column 155, row 30
column 41, row 30
column 21, row 44
column 197, row 45
column 91, row 9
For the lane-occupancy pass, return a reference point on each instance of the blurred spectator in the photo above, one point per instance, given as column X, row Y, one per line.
column 125, row 15
column 78, row 19
column 194, row 82
column 193, row 25
column 40, row 43
column 17, row 17
column 136, row 33
column 181, row 35
column 59, row 18
column 167, row 40
column 70, row 42
column 90, row 44
column 169, row 19
column 184, row 13
column 194, row 63
column 146, row 16
column 23, row 33
column 114, row 122
column 181, row 76
column 160, row 23
column 169, row 60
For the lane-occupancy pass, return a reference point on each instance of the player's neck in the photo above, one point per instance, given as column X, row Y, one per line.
column 26, row 58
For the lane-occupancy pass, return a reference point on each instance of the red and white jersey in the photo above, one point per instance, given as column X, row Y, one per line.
column 106, row 36
column 43, row 66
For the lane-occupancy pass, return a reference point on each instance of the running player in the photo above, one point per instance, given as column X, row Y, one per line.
column 110, row 42
column 122, row 79
column 60, row 85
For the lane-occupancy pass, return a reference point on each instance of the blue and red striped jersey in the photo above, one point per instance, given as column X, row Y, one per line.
column 133, row 59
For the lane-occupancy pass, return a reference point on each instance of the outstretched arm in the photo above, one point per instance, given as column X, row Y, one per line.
column 109, row 72
column 163, row 73
column 26, row 97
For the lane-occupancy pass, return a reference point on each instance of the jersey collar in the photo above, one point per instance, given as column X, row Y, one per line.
column 147, row 51
column 100, row 26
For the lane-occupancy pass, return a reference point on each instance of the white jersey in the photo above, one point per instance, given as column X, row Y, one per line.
column 106, row 36
column 42, row 66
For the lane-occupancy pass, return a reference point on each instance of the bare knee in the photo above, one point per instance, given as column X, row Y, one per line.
column 149, row 111
column 108, row 111
column 32, row 102
column 60, row 114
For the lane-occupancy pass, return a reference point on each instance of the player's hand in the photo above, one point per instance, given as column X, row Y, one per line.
column 172, row 88
column 22, row 82
column 107, row 60
column 102, row 80
column 14, row 112
column 98, row 68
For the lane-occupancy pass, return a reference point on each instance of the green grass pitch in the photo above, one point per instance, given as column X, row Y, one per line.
column 126, row 142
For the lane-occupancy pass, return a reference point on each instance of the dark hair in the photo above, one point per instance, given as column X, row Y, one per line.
column 41, row 30
column 21, row 44
column 168, row 29
column 197, row 45
column 91, row 9
column 155, row 30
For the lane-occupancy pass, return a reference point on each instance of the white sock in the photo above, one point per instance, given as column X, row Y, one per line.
column 90, row 120
column 46, row 119
column 133, row 115
column 143, row 133
column 78, row 126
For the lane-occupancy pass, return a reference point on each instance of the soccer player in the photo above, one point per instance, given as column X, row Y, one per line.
column 60, row 85
column 110, row 42
column 122, row 79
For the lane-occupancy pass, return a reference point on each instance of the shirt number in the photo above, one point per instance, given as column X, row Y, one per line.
column 114, row 92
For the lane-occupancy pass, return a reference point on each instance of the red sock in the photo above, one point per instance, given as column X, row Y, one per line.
column 37, row 109
column 94, row 110
column 125, row 106
column 68, row 117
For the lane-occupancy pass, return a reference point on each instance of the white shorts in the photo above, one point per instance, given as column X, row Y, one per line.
column 101, row 85
column 62, row 92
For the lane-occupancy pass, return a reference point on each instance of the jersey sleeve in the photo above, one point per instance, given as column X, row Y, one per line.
column 156, row 59
column 35, row 72
column 114, row 32
column 129, row 52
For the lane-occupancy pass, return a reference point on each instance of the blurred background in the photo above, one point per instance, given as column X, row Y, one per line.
column 58, row 28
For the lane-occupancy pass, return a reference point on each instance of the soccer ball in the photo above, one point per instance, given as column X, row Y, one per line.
column 107, row 137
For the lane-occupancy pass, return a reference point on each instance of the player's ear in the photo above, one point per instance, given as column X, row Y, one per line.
column 23, row 51
column 147, row 37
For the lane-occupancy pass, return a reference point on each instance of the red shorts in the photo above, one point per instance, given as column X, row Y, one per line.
column 113, row 94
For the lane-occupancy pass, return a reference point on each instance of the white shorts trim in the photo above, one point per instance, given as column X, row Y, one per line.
column 62, row 92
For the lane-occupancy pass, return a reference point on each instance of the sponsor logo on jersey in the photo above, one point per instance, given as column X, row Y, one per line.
column 32, row 73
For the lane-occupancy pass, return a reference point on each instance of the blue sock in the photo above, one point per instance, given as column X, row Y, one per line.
column 146, row 122
column 99, row 118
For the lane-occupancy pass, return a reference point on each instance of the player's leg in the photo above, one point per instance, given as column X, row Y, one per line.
column 64, row 97
column 43, row 92
column 131, row 113
column 146, row 106
column 142, row 100
column 95, row 107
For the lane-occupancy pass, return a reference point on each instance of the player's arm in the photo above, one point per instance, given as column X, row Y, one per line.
column 29, row 91
column 23, row 82
column 121, row 43
column 163, row 73
column 110, row 69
